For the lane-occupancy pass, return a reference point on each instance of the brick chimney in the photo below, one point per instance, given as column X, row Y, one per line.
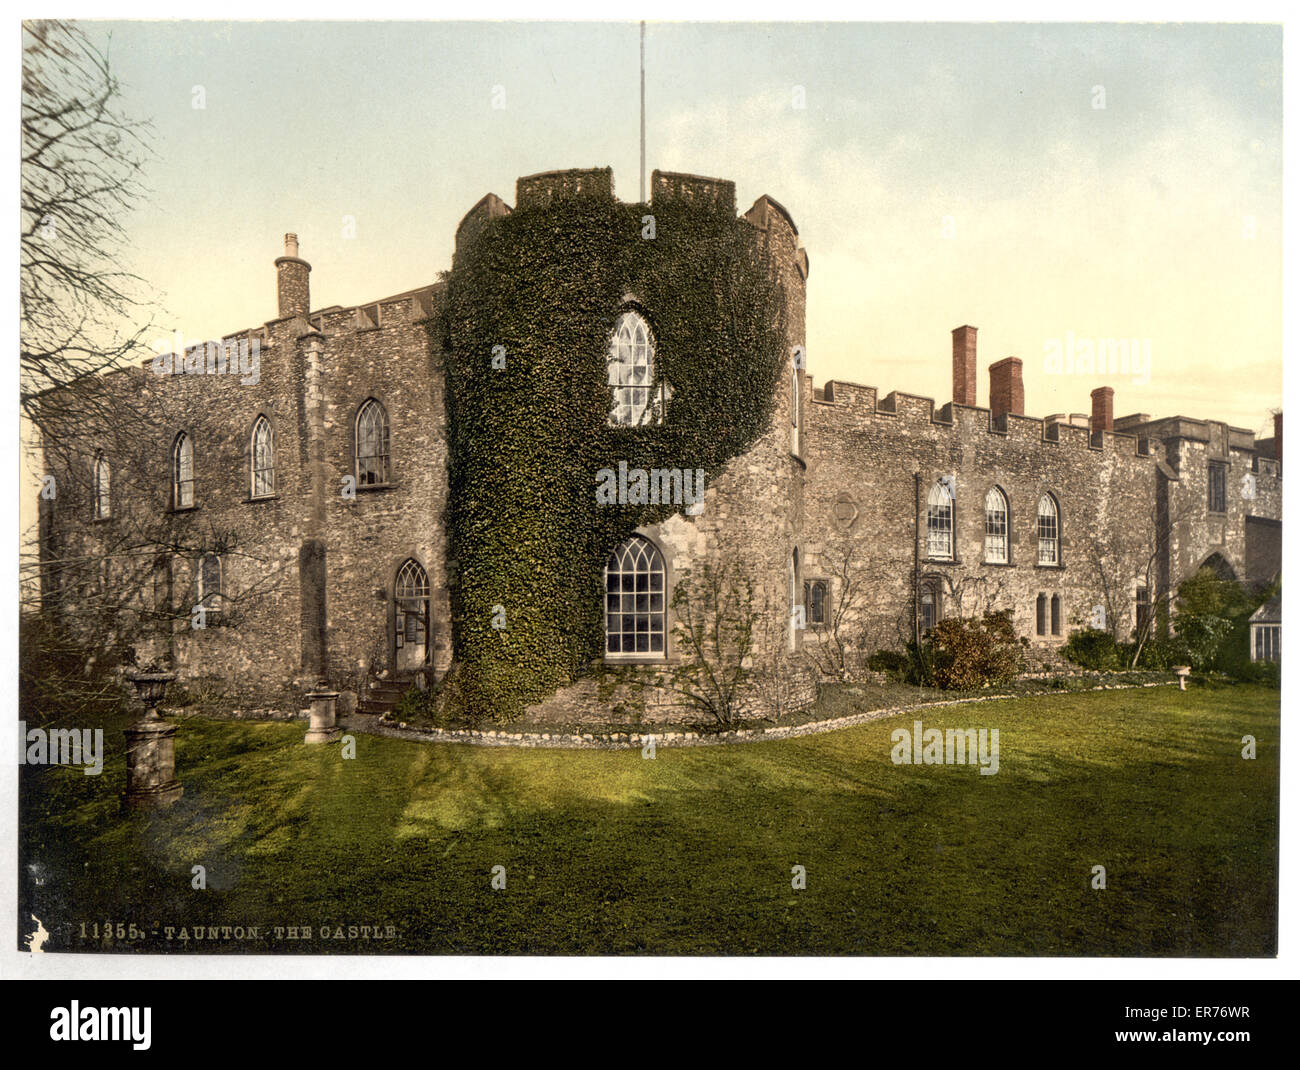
column 1006, row 388
column 1103, row 409
column 291, row 280
column 1277, row 435
column 963, row 365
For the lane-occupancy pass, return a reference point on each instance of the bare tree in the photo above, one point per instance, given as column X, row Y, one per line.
column 831, row 642
column 716, row 619
column 82, row 160
column 1133, row 556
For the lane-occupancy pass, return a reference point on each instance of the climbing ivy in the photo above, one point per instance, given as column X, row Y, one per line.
column 528, row 432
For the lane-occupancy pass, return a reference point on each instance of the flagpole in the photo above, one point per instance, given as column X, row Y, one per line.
column 643, row 112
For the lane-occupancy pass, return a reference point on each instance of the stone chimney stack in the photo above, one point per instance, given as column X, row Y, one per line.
column 963, row 365
column 1103, row 409
column 1006, row 388
column 1277, row 435
column 291, row 280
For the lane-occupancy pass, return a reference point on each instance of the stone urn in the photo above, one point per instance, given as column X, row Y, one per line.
column 323, row 714
column 1182, row 672
column 151, row 747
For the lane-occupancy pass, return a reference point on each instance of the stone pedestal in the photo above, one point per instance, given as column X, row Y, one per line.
column 322, row 713
column 151, row 766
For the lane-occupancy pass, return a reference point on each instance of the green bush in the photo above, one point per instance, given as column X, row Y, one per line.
column 888, row 661
column 1266, row 673
column 1091, row 648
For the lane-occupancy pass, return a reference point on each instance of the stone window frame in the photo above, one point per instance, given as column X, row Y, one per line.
column 657, row 393
column 1006, row 525
column 1141, row 607
column 796, row 392
column 795, row 573
column 1216, row 489
column 203, row 591
column 101, row 487
column 935, row 523
column 1054, row 539
column 634, row 657
column 1040, row 615
column 371, row 402
column 932, row 585
column 1057, row 615
column 182, row 446
column 810, row 601
column 261, row 421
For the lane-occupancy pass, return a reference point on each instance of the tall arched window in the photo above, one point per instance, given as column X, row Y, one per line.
column 938, row 523
column 631, row 361
column 995, row 527
column 210, row 580
column 411, row 626
column 794, row 409
column 794, row 598
column 183, row 472
column 1040, row 615
column 635, row 601
column 1056, row 614
column 262, row 454
column 103, row 475
column 1049, row 531
column 372, row 444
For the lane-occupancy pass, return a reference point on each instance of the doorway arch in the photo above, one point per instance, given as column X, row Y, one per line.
column 412, row 634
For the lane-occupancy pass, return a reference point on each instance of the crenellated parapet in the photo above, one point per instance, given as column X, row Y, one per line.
column 842, row 406
column 539, row 190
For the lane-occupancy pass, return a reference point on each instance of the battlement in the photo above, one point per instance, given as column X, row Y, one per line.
column 414, row 306
column 715, row 193
column 840, row 404
column 539, row 190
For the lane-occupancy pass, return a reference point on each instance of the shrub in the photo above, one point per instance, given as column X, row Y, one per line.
column 1267, row 673
column 888, row 661
column 970, row 653
column 1091, row 648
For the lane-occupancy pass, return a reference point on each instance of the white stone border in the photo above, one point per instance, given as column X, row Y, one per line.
column 496, row 737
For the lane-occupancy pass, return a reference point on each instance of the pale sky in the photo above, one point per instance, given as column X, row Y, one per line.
column 939, row 175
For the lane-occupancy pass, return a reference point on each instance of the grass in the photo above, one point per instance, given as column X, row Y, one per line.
column 606, row 852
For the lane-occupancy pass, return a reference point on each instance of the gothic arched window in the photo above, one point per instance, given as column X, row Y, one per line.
column 103, row 475
column 183, row 472
column 1040, row 615
column 1049, row 531
column 1056, row 614
column 636, row 593
column 995, row 527
column 262, row 454
column 938, row 522
column 631, row 361
column 372, row 444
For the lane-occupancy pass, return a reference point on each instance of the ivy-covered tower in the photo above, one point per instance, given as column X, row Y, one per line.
column 624, row 394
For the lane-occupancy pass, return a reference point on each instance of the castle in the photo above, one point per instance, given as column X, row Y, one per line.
column 310, row 497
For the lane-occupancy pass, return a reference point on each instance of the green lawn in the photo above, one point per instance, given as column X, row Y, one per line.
column 607, row 852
